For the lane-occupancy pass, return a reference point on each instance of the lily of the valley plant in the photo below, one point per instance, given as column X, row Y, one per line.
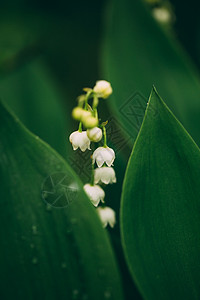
column 90, row 130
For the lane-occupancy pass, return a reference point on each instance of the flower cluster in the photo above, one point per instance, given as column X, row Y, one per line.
column 87, row 115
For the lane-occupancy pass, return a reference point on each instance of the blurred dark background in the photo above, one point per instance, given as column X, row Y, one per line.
column 67, row 35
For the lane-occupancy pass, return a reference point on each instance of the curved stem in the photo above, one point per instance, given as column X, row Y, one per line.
column 92, row 175
column 87, row 98
column 80, row 127
column 86, row 102
column 104, row 135
column 95, row 102
column 95, row 113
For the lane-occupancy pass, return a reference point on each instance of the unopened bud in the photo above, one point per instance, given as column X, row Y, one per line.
column 90, row 122
column 94, row 134
column 103, row 89
column 77, row 113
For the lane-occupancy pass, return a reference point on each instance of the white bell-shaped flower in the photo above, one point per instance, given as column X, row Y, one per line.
column 80, row 140
column 103, row 89
column 105, row 175
column 94, row 134
column 107, row 216
column 103, row 155
column 95, row 193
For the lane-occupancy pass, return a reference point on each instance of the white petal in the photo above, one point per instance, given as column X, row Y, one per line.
column 95, row 202
column 95, row 193
column 104, row 223
column 105, row 175
column 103, row 155
column 80, row 140
column 97, row 176
column 99, row 161
column 110, row 156
column 109, row 163
column 94, row 134
column 83, row 148
column 112, row 223
column 88, row 145
column 103, row 88
column 74, row 147
column 71, row 136
column 107, row 216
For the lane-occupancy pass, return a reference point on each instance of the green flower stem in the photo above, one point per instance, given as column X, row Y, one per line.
column 87, row 97
column 80, row 127
column 86, row 102
column 92, row 175
column 95, row 113
column 94, row 106
column 104, row 135
column 95, row 102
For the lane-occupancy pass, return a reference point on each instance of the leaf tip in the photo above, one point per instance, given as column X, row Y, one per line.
column 155, row 99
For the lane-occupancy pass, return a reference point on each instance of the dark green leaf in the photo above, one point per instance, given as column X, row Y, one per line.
column 52, row 251
column 137, row 54
column 32, row 94
column 160, row 213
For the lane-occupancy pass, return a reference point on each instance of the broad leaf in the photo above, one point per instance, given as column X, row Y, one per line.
column 137, row 54
column 32, row 94
column 52, row 243
column 160, row 213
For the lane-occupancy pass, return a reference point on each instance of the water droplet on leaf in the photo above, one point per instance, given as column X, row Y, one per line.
column 84, row 297
column 69, row 230
column 34, row 260
column 73, row 221
column 75, row 294
column 63, row 265
column 34, row 230
column 48, row 207
column 107, row 294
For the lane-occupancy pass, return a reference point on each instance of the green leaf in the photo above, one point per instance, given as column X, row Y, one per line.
column 160, row 212
column 57, row 250
column 138, row 53
column 31, row 93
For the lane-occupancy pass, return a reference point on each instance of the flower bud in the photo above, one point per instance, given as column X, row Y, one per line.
column 94, row 134
column 103, row 89
column 85, row 114
column 90, row 122
column 77, row 113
